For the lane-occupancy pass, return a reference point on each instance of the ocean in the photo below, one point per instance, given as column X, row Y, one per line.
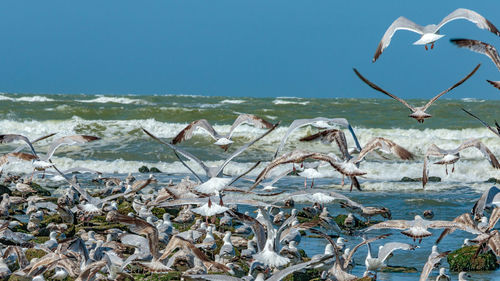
column 124, row 148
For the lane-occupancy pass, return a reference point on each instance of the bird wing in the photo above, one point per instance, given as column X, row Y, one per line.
column 243, row 148
column 379, row 142
column 280, row 275
column 494, row 218
column 432, row 260
column 330, row 240
column 257, row 228
column 353, row 251
column 479, row 47
column 464, row 219
column 390, row 247
column 68, row 140
column 450, row 88
column 496, row 132
column 20, row 155
column 383, row 91
column 471, row 16
column 495, row 84
column 188, row 131
column 214, row 277
column 400, row 23
column 249, row 119
column 392, row 224
column 484, row 150
column 329, row 136
column 484, row 200
column 19, row 148
column 8, row 138
column 452, row 225
column 135, row 188
column 304, row 122
column 138, row 226
column 181, row 152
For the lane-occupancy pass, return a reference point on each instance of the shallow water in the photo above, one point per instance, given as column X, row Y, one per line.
column 124, row 148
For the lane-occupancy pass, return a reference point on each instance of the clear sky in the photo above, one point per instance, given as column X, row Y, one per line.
column 237, row 48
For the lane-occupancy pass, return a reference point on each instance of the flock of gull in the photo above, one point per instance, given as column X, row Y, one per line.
column 195, row 228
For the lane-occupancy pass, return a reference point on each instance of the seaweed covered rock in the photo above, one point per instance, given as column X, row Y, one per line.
column 143, row 169
column 463, row 260
column 40, row 190
column 430, row 179
column 398, row 269
column 309, row 274
column 154, row 170
column 176, row 275
column 493, row 180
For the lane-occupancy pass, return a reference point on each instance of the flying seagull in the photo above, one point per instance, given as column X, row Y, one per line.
column 482, row 48
column 451, row 156
column 430, row 33
column 222, row 140
column 418, row 113
column 322, row 120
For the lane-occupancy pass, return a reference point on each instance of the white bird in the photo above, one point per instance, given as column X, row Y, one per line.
column 375, row 263
column 418, row 113
column 430, row 33
column 462, row 275
column 221, row 140
column 442, row 275
column 227, row 249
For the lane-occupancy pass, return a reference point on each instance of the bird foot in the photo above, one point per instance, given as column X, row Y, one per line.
column 426, row 48
column 432, row 46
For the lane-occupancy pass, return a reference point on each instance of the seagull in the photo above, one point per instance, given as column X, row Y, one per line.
column 430, row 33
column 482, row 48
column 417, row 228
column 433, row 259
column 296, row 124
column 215, row 182
column 489, row 198
column 418, row 113
column 451, row 156
column 384, row 252
column 495, row 131
column 462, row 275
column 366, row 212
column 221, row 140
column 442, row 275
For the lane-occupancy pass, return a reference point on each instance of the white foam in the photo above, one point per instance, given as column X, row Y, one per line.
column 121, row 100
column 472, row 100
column 281, row 101
column 27, row 99
column 233, row 101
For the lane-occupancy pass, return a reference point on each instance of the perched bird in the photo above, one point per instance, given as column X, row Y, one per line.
column 430, row 33
column 442, row 275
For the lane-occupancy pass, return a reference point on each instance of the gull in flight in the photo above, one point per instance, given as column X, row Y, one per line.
column 384, row 253
column 430, row 33
column 418, row 113
column 482, row 48
column 451, row 156
column 417, row 228
column 322, row 121
column 221, row 140
column 433, row 259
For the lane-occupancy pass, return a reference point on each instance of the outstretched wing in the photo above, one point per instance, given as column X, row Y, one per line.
column 387, row 146
column 8, row 138
column 249, row 119
column 479, row 47
column 382, row 90
column 68, row 140
column 496, row 132
column 471, row 16
column 390, row 247
column 400, row 23
column 451, row 88
column 188, row 131
column 484, row 150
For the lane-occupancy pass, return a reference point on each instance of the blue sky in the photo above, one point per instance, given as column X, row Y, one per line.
column 237, row 48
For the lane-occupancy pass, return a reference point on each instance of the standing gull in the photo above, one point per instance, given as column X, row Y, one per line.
column 430, row 33
column 418, row 113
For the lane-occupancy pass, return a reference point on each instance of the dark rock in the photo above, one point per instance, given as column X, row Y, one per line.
column 40, row 190
column 463, row 260
column 399, row 269
column 493, row 180
column 5, row 189
column 430, row 179
column 154, row 170
column 143, row 169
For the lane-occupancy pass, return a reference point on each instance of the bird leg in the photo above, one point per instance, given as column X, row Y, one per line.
column 453, row 168
column 305, row 182
column 342, row 182
column 432, row 46
column 446, row 169
column 426, row 47
column 312, row 183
